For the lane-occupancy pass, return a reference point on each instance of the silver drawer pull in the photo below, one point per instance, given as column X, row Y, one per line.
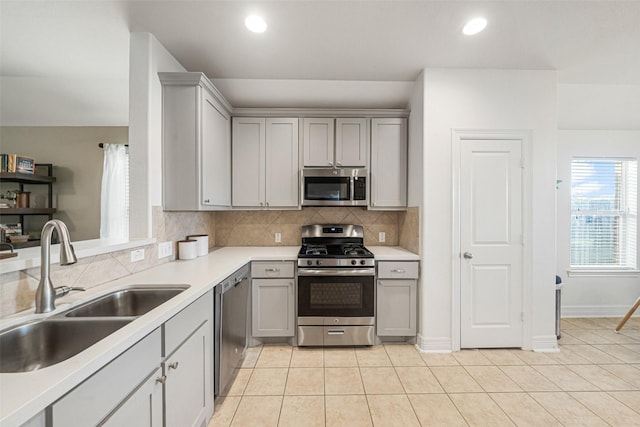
column 173, row 365
column 335, row 332
column 272, row 270
column 399, row 270
column 161, row 380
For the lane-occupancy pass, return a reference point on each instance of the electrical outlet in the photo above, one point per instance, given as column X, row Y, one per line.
column 165, row 249
column 382, row 237
column 278, row 237
column 137, row 255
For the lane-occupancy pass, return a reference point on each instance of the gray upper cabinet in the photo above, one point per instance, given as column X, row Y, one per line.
column 388, row 163
column 265, row 162
column 318, row 142
column 196, row 144
column 352, row 142
column 338, row 142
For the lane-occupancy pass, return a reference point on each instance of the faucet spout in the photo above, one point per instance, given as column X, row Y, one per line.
column 46, row 294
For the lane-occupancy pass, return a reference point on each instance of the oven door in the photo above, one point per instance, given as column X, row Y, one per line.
column 336, row 293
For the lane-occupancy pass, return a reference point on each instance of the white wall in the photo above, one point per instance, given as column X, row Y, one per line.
column 597, row 107
column 416, row 140
column 486, row 100
column 601, row 121
column 147, row 58
column 591, row 296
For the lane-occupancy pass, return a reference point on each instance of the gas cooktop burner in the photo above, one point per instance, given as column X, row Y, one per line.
column 315, row 250
column 338, row 245
column 354, row 250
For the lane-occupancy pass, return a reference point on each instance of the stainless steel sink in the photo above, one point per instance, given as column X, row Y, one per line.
column 126, row 302
column 44, row 343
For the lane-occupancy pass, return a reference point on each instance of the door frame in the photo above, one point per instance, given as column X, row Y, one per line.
column 457, row 137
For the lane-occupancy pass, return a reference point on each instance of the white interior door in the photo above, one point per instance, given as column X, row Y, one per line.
column 491, row 230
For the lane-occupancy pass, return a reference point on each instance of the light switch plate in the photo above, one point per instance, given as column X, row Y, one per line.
column 137, row 255
column 382, row 237
column 278, row 237
column 165, row 249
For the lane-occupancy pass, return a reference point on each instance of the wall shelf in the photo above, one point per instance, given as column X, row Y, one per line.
column 8, row 215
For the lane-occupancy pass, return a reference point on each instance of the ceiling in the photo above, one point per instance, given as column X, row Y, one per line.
column 342, row 54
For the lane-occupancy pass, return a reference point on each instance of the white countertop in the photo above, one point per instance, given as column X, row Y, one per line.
column 23, row 395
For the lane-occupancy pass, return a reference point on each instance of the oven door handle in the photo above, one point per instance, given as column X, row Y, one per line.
column 336, row 272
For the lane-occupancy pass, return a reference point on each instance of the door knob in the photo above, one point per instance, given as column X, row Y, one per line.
column 467, row 255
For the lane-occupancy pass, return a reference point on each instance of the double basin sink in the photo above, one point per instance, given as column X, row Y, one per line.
column 38, row 344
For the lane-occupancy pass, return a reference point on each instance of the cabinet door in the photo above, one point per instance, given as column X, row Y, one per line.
column 352, row 141
column 396, row 307
column 188, row 401
column 282, row 185
column 273, row 307
column 318, row 142
column 248, row 163
column 388, row 163
column 143, row 408
column 215, row 160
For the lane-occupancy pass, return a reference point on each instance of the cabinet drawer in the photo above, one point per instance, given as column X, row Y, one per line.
column 94, row 399
column 180, row 326
column 398, row 270
column 271, row 269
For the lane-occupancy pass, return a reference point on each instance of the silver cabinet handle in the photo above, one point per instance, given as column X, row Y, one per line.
column 173, row 365
column 335, row 332
column 398, row 270
column 206, row 201
column 330, row 163
column 339, row 163
column 272, row 270
column 467, row 255
column 161, row 380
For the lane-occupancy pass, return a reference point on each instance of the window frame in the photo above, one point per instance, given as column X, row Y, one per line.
column 625, row 212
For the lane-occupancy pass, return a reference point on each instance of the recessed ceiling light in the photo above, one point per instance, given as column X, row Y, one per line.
column 255, row 23
column 474, row 26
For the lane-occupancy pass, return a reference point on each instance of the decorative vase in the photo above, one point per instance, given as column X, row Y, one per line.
column 22, row 199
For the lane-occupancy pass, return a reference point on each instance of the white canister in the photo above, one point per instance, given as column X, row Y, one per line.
column 203, row 243
column 187, row 249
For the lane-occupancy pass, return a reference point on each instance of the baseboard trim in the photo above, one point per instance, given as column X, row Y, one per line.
column 545, row 344
column 595, row 310
column 434, row 345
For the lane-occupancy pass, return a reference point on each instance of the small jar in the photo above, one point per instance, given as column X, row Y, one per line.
column 187, row 249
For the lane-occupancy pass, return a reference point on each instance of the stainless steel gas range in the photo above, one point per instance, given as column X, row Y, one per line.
column 336, row 290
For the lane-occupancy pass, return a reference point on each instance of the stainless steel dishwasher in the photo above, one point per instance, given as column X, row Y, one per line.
column 231, row 326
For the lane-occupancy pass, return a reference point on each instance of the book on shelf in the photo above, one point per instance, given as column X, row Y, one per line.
column 7, row 230
column 16, row 163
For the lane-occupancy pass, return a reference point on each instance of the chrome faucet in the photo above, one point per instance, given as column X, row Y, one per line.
column 46, row 294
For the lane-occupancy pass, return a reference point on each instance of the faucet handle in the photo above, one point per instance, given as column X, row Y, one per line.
column 64, row 290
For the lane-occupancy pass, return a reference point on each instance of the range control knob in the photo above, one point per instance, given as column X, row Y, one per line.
column 309, row 262
column 353, row 262
column 318, row 262
column 362, row 262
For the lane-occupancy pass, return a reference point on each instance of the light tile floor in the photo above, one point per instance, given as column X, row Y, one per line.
column 593, row 381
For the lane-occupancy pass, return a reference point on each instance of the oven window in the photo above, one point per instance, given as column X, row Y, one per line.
column 335, row 295
column 343, row 296
column 326, row 188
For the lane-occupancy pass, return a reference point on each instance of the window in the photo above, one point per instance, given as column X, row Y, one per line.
column 603, row 213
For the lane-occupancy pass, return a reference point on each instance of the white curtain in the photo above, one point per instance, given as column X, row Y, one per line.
column 114, row 203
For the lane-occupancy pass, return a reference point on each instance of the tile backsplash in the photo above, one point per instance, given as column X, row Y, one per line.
column 225, row 228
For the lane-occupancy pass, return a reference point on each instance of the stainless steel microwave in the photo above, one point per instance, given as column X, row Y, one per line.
column 334, row 187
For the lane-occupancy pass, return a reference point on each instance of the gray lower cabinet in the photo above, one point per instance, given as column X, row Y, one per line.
column 143, row 408
column 187, row 378
column 166, row 379
column 273, row 299
column 397, row 298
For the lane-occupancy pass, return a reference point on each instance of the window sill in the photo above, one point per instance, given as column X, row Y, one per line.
column 603, row 273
